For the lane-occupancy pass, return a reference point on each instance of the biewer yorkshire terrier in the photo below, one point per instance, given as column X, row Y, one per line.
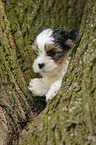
column 52, row 47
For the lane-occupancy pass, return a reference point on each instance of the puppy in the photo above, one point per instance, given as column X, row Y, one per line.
column 52, row 47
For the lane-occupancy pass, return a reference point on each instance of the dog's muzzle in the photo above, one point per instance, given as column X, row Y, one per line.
column 41, row 65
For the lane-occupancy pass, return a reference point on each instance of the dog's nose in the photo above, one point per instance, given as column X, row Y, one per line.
column 41, row 65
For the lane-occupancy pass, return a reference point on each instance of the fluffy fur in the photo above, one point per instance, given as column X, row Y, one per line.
column 52, row 48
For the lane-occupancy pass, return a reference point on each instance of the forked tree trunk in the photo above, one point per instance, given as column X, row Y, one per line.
column 70, row 118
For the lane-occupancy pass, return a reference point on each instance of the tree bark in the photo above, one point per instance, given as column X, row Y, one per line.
column 70, row 117
column 17, row 106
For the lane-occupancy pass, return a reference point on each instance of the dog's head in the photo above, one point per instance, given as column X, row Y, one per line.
column 51, row 47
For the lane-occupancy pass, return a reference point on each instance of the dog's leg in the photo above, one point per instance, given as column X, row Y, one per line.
column 54, row 88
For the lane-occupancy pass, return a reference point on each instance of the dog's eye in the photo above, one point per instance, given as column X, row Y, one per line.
column 51, row 53
column 36, row 51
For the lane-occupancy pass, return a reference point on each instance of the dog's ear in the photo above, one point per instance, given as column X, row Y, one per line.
column 64, row 37
column 73, row 33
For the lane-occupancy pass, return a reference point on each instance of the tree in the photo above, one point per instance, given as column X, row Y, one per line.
column 70, row 117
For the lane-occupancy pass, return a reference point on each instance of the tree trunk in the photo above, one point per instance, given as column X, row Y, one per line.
column 70, row 118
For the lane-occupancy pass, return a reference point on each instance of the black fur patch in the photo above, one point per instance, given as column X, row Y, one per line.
column 64, row 39
column 61, row 35
column 55, row 54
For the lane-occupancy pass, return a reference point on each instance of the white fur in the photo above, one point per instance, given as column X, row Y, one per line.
column 52, row 74
column 42, row 39
column 45, row 37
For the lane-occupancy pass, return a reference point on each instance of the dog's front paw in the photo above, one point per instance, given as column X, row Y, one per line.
column 50, row 95
column 53, row 90
column 37, row 87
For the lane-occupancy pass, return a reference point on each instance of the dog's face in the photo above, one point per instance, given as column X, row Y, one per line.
column 51, row 47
